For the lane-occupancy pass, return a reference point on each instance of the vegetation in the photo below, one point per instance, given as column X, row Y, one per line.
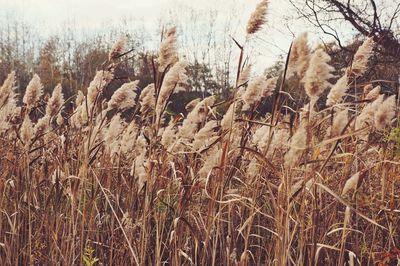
column 299, row 168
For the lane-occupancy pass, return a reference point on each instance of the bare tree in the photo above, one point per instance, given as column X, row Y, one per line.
column 373, row 18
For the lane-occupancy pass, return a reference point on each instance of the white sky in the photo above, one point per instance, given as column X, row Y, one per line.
column 91, row 13
column 94, row 15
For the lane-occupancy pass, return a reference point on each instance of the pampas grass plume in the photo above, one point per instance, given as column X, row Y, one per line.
column 385, row 113
column 351, row 183
column 168, row 51
column 361, row 58
column 318, row 73
column 55, row 102
column 33, row 92
column 258, row 18
column 124, row 97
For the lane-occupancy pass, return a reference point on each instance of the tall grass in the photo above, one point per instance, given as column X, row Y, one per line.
column 120, row 182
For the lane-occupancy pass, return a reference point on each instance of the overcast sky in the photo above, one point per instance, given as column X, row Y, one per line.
column 90, row 12
column 94, row 15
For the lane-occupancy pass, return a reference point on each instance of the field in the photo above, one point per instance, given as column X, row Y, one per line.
column 122, row 181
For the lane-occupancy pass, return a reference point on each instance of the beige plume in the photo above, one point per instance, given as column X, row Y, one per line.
column 258, row 18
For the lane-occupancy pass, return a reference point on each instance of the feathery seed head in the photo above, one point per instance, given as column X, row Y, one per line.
column 244, row 75
column 33, row 92
column 118, row 48
column 192, row 104
column 256, row 90
column 124, row 97
column 317, row 74
column 361, row 57
column 26, row 130
column 338, row 91
column 97, row 85
column 168, row 54
column 258, row 18
column 374, row 93
column 55, row 102
column 297, row 146
column 385, row 113
column 299, row 56
column 6, row 90
column 41, row 126
column 174, row 80
column 147, row 98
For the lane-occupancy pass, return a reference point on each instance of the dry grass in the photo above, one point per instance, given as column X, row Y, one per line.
column 292, row 187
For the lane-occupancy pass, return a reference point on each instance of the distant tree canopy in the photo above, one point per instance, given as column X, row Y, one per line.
column 75, row 67
column 73, row 62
